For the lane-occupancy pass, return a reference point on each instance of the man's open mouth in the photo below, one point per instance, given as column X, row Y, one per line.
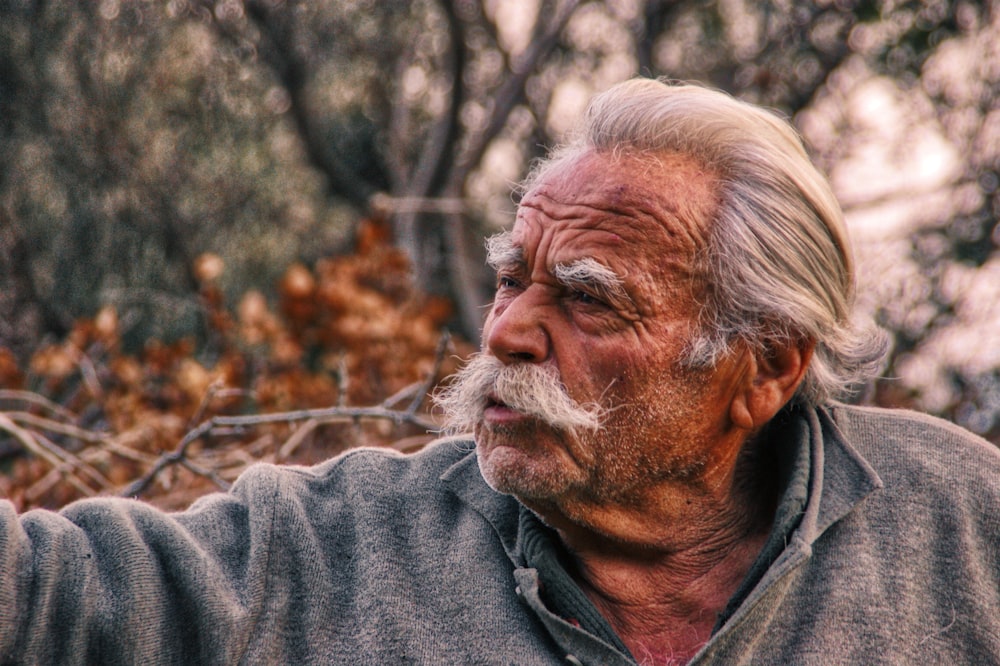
column 497, row 411
column 493, row 401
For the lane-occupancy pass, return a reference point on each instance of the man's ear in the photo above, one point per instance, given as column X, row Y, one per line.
column 774, row 376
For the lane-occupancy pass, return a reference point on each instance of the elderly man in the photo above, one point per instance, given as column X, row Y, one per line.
column 658, row 472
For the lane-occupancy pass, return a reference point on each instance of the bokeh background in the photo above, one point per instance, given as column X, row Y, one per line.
column 151, row 148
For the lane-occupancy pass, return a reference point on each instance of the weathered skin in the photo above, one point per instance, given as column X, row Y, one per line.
column 652, row 506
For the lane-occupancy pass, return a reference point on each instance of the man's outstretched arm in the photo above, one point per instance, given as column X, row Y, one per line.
column 117, row 581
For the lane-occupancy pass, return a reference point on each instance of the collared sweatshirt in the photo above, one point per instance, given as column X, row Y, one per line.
column 893, row 557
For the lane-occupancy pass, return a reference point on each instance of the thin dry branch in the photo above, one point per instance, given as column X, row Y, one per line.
column 312, row 417
column 62, row 462
column 48, row 425
column 28, row 440
column 227, row 423
column 205, row 472
column 443, row 346
column 54, row 476
column 72, row 464
column 293, row 442
column 36, row 399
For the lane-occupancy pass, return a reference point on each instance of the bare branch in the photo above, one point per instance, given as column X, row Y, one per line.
column 205, row 472
column 63, row 463
column 323, row 415
column 444, row 344
column 511, row 92
column 464, row 273
column 278, row 51
column 48, row 425
column 462, row 269
column 28, row 441
column 71, row 463
column 293, row 442
column 36, row 399
column 440, row 141
column 312, row 417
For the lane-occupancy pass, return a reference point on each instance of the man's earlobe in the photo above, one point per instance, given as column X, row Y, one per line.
column 775, row 376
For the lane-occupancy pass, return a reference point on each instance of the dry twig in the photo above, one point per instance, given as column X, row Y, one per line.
column 36, row 399
column 312, row 417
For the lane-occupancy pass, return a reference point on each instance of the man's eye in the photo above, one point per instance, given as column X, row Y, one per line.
column 507, row 282
column 587, row 299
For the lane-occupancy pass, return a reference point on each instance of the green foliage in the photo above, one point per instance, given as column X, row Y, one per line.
column 147, row 141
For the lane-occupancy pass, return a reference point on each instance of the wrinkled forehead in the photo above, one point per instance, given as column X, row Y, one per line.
column 633, row 197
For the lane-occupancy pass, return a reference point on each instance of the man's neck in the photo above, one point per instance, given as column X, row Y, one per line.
column 665, row 607
column 671, row 565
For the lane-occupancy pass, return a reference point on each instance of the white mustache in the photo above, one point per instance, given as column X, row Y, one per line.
column 529, row 388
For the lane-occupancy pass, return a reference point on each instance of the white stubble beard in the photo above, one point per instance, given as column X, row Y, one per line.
column 511, row 458
column 603, row 453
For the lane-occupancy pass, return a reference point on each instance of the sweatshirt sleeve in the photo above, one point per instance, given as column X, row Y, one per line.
column 116, row 581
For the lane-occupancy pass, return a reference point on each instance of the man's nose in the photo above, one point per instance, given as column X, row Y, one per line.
column 516, row 333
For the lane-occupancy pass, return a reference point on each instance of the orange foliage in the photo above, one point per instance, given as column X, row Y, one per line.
column 351, row 331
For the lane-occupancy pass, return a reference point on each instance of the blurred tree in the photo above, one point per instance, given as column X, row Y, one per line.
column 397, row 105
column 135, row 140
column 146, row 133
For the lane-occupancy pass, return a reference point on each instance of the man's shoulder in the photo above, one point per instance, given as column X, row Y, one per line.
column 363, row 471
column 379, row 495
column 903, row 423
column 908, row 446
column 434, row 459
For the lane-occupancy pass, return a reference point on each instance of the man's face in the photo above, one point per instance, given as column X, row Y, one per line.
column 595, row 285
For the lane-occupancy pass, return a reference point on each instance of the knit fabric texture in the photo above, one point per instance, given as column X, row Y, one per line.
column 893, row 557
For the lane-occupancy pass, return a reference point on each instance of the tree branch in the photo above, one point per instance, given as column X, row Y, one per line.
column 312, row 417
column 439, row 143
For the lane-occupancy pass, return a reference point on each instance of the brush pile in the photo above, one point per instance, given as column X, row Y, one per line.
column 345, row 357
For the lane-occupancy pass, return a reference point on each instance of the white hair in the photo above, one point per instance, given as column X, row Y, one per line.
column 530, row 388
column 586, row 272
column 778, row 264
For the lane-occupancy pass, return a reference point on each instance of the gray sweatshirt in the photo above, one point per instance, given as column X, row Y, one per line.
column 379, row 558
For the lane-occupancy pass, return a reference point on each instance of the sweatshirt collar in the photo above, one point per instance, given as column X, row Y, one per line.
column 465, row 481
column 841, row 477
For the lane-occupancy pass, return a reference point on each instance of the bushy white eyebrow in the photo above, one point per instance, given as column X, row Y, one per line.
column 587, row 273
column 501, row 252
column 592, row 274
